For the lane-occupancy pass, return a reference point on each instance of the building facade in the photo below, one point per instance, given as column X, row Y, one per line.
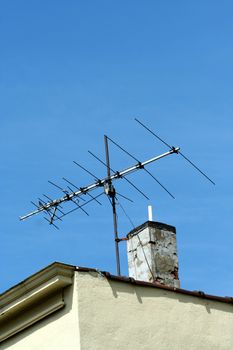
column 67, row 307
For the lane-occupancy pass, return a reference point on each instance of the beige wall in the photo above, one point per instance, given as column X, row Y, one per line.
column 58, row 331
column 116, row 315
column 102, row 314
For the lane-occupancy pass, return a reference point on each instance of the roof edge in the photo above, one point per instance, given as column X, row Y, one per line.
column 35, row 280
column 67, row 270
column 198, row 294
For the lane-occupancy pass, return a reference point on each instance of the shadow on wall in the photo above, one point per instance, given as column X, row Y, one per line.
column 142, row 293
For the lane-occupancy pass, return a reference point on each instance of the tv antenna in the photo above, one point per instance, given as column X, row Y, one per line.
column 74, row 194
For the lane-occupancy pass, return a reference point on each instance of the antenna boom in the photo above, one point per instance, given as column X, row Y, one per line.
column 99, row 183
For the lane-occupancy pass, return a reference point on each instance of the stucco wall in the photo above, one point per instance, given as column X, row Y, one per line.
column 116, row 315
column 103, row 314
column 58, row 331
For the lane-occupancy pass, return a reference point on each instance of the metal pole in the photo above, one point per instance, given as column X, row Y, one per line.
column 112, row 195
column 116, row 236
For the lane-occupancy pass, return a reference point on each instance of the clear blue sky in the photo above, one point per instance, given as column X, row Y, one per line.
column 71, row 71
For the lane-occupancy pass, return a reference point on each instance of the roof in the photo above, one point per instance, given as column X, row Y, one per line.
column 66, row 270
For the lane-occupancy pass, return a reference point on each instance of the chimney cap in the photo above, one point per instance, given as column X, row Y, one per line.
column 153, row 224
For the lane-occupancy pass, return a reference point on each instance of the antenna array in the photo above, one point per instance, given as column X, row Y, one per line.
column 73, row 194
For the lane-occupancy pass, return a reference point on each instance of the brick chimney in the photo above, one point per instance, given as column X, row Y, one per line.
column 152, row 254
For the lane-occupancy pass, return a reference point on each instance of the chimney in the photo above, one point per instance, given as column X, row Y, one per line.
column 152, row 254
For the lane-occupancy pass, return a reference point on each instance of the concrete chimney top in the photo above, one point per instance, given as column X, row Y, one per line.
column 152, row 254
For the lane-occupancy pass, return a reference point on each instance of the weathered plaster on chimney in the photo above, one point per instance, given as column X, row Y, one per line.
column 152, row 254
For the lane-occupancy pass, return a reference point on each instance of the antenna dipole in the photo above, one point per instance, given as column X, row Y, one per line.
column 111, row 193
column 169, row 146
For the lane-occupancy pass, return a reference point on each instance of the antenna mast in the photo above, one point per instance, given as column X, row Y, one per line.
column 111, row 193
